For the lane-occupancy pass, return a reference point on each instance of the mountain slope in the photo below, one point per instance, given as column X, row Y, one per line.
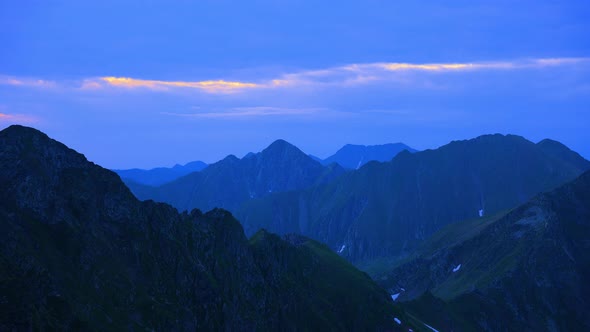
column 79, row 252
column 354, row 156
column 232, row 181
column 525, row 271
column 386, row 209
column 160, row 175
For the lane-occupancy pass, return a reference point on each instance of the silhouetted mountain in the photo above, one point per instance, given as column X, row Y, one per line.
column 79, row 252
column 527, row 270
column 230, row 182
column 160, row 175
column 354, row 156
column 386, row 209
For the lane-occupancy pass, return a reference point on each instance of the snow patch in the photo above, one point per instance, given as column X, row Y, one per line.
column 342, row 248
column 481, row 212
column 457, row 268
column 394, row 296
column 430, row 327
column 399, row 322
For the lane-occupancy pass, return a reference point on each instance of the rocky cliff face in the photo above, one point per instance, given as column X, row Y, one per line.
column 79, row 252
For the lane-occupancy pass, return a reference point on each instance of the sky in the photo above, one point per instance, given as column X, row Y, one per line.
column 156, row 83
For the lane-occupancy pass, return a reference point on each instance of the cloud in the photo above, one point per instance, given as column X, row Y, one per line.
column 547, row 62
column 426, row 67
column 26, row 82
column 351, row 75
column 365, row 73
column 212, row 86
column 341, row 76
column 89, row 84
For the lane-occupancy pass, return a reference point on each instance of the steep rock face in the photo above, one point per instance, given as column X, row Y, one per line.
column 230, row 182
column 353, row 156
column 79, row 252
column 525, row 271
column 386, row 209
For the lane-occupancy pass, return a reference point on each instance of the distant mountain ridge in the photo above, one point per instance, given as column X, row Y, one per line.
column 232, row 181
column 386, row 209
column 79, row 252
column 160, row 175
column 526, row 270
column 353, row 156
column 350, row 157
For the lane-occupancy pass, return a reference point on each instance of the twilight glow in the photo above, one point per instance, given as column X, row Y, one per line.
column 197, row 81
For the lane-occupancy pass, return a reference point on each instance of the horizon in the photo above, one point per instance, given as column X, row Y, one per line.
column 240, row 156
column 143, row 85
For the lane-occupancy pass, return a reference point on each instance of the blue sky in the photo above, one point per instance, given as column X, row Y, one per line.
column 154, row 83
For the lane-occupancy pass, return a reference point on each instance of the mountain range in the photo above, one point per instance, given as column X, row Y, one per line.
column 522, row 270
column 350, row 157
column 486, row 234
column 160, row 175
column 386, row 209
column 383, row 210
column 230, row 182
column 79, row 252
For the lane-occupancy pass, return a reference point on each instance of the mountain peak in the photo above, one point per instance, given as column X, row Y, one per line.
column 19, row 130
column 560, row 150
column 281, row 145
column 552, row 143
column 35, row 146
column 503, row 137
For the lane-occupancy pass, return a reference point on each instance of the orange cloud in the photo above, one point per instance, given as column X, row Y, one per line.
column 208, row 86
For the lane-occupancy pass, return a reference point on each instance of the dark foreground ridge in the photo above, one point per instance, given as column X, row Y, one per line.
column 79, row 252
